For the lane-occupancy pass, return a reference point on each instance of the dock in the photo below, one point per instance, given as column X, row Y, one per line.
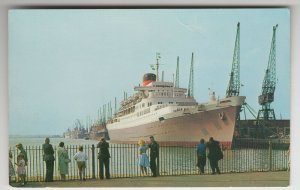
column 249, row 179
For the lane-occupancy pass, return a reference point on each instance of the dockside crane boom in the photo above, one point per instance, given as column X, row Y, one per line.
column 233, row 88
column 269, row 84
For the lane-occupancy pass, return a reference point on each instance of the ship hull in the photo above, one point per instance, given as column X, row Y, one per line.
column 187, row 129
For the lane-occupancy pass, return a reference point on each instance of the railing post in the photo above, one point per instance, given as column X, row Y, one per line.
column 157, row 165
column 270, row 156
column 93, row 162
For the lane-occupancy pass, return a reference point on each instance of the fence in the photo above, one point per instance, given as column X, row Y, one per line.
column 245, row 156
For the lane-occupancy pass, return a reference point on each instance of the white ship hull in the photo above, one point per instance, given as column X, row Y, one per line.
column 186, row 126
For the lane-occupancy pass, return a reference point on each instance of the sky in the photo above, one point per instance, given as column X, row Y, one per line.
column 65, row 64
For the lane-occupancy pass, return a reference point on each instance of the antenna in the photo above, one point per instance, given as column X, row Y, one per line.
column 115, row 105
column 177, row 74
column 157, row 65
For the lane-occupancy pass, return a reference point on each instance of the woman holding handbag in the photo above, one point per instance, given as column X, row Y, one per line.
column 63, row 160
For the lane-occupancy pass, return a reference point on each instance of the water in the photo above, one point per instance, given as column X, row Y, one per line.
column 26, row 141
column 172, row 160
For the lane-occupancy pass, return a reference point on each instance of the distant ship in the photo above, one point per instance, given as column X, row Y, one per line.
column 168, row 113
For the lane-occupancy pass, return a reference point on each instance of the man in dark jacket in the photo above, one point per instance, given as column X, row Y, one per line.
column 103, row 157
column 214, row 155
column 154, row 153
column 49, row 159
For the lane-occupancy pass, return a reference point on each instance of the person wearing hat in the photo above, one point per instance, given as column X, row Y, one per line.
column 103, row 157
column 48, row 157
column 154, row 153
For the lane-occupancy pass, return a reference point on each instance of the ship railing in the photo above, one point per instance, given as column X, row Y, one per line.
column 239, row 156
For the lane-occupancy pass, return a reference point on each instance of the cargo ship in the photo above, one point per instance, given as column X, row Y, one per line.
column 172, row 116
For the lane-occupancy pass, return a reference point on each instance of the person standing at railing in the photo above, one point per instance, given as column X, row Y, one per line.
column 24, row 153
column 21, row 170
column 289, row 159
column 48, row 157
column 81, row 159
column 11, row 166
column 201, row 156
column 214, row 155
column 154, row 153
column 143, row 158
column 103, row 157
column 63, row 161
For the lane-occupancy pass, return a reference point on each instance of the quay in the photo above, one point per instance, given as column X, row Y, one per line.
column 249, row 179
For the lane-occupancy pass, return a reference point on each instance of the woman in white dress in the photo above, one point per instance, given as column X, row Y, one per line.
column 143, row 157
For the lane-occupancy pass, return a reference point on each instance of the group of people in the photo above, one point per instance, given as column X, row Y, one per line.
column 63, row 161
column 21, row 164
column 143, row 158
column 214, row 155
column 81, row 157
column 48, row 157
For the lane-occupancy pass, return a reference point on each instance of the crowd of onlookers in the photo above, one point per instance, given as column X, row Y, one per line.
column 63, row 159
column 81, row 157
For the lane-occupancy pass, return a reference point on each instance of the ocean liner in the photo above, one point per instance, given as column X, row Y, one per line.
column 167, row 112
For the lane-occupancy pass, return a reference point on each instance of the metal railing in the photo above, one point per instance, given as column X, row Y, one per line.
column 244, row 156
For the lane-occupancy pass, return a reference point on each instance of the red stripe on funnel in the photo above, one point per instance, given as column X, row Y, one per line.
column 146, row 82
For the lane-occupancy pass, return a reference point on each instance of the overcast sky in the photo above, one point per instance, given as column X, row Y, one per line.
column 65, row 64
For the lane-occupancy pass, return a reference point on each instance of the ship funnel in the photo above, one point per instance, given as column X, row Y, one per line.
column 148, row 78
column 212, row 96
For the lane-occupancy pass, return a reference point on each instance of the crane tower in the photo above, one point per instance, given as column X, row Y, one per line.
column 269, row 84
column 233, row 88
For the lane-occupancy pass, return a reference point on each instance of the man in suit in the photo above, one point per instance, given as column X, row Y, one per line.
column 103, row 157
column 214, row 155
column 154, row 153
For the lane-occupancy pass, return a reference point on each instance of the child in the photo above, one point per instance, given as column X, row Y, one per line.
column 81, row 157
column 21, row 170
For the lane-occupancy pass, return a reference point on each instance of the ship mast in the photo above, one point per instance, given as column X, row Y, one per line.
column 157, row 65
column 191, row 79
column 177, row 74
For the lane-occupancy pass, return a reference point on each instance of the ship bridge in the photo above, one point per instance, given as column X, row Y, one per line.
column 161, row 89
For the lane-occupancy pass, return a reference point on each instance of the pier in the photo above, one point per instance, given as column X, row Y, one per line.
column 253, row 179
column 173, row 161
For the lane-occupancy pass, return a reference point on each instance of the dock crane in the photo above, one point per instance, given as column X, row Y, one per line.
column 233, row 88
column 269, row 84
column 266, row 114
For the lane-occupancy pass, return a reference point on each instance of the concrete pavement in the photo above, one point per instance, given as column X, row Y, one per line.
column 255, row 179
